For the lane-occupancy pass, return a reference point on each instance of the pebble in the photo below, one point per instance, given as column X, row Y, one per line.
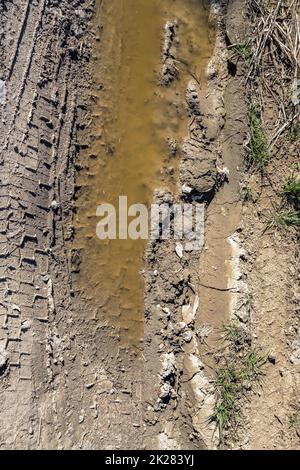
column 54, row 205
column 91, row 385
column 272, row 359
column 81, row 419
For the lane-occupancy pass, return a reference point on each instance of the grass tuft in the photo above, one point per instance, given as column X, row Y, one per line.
column 237, row 335
column 257, row 154
column 253, row 366
column 292, row 190
column 283, row 218
column 288, row 214
column 244, row 50
column 232, row 382
column 295, row 132
column 227, row 387
column 294, row 420
column 247, row 194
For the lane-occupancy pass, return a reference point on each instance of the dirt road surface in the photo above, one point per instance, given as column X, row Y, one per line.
column 77, row 371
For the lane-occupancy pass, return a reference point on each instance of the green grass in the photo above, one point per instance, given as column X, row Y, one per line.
column 283, row 218
column 244, row 50
column 253, row 366
column 288, row 214
column 292, row 190
column 237, row 335
column 247, row 194
column 232, row 382
column 257, row 154
column 294, row 420
column 227, row 388
column 295, row 132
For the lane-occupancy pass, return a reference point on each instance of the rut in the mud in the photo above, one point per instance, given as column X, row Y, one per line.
column 137, row 128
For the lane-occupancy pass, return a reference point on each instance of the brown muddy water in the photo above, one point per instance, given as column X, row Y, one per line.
column 133, row 116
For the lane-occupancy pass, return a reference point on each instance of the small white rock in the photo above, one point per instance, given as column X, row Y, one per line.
column 179, row 250
column 81, row 419
column 54, row 205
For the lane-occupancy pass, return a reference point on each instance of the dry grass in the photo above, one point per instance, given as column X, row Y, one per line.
column 274, row 65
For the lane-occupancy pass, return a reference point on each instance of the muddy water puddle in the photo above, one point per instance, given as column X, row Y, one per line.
column 133, row 118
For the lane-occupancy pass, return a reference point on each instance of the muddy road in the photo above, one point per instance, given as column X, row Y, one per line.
column 122, row 343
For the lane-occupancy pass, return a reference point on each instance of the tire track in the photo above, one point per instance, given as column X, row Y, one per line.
column 38, row 124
